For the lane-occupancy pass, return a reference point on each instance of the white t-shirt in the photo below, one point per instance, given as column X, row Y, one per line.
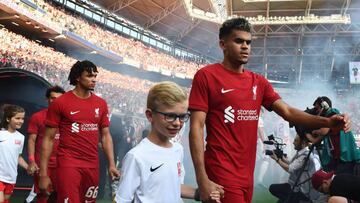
column 11, row 146
column 151, row 174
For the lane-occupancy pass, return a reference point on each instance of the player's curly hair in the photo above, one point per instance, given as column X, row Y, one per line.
column 78, row 68
column 238, row 23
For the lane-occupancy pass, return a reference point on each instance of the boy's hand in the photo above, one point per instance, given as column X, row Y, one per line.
column 215, row 195
column 207, row 187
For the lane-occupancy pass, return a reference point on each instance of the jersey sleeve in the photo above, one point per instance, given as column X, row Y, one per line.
column 270, row 96
column 22, row 145
column 33, row 127
column 199, row 94
column 105, row 122
column 130, row 179
column 53, row 115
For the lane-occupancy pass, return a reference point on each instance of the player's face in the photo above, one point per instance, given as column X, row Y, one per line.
column 167, row 121
column 16, row 121
column 53, row 96
column 87, row 80
column 236, row 46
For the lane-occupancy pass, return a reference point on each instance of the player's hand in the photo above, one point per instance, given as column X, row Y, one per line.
column 32, row 168
column 215, row 195
column 114, row 173
column 207, row 187
column 44, row 184
column 341, row 121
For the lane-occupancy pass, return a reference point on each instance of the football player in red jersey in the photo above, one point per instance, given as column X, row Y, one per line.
column 79, row 115
column 36, row 130
column 227, row 97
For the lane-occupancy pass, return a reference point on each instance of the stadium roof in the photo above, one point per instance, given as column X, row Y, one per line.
column 282, row 49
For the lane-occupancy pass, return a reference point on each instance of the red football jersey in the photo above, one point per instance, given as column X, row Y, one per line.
column 79, row 122
column 37, row 126
column 232, row 102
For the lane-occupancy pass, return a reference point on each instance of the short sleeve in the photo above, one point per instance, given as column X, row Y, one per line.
column 270, row 96
column 199, row 94
column 105, row 122
column 33, row 127
column 54, row 114
column 22, row 145
column 130, row 179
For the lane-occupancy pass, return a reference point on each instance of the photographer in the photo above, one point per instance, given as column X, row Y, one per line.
column 341, row 188
column 340, row 153
column 298, row 188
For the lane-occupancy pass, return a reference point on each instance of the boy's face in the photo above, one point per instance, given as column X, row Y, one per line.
column 161, row 119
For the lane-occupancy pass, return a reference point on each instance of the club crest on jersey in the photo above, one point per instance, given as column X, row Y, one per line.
column 97, row 114
column 18, row 142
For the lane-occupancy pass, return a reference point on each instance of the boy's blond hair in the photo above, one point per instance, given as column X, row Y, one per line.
column 165, row 93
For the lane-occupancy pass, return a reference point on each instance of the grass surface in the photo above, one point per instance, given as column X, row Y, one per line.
column 261, row 195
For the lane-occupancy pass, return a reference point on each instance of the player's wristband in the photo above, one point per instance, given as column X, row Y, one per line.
column 197, row 195
column 31, row 158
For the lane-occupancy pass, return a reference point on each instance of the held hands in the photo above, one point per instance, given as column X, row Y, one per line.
column 114, row 173
column 341, row 122
column 210, row 191
column 215, row 195
column 32, row 168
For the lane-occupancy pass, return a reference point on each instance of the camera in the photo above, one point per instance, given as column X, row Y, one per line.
column 279, row 145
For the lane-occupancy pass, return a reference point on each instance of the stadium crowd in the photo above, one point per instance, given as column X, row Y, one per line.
column 124, row 94
column 129, row 48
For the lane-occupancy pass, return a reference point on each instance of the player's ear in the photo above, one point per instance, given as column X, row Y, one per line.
column 148, row 113
column 222, row 44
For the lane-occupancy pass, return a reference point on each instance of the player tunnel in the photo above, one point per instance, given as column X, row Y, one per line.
column 27, row 90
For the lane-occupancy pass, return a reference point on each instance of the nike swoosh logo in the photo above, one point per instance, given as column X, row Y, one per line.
column 226, row 91
column 154, row 169
column 74, row 112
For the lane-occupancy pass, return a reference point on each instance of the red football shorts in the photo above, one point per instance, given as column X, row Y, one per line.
column 239, row 196
column 76, row 185
column 7, row 188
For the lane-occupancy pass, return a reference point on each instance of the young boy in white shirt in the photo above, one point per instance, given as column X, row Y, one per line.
column 153, row 170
